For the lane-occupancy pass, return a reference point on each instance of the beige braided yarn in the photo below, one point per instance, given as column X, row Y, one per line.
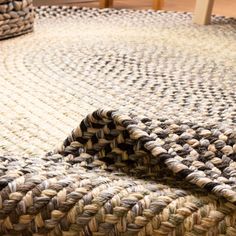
column 16, row 17
column 121, row 176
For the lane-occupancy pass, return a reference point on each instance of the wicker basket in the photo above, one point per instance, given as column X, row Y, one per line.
column 119, row 176
column 16, row 17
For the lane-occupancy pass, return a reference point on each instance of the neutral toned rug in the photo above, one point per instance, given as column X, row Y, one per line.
column 169, row 168
column 120, row 176
column 156, row 64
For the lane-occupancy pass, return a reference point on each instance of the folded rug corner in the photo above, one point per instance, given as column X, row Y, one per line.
column 116, row 175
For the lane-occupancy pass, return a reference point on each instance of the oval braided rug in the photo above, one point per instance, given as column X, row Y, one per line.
column 166, row 169
column 150, row 63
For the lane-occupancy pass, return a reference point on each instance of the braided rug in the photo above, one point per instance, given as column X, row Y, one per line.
column 162, row 165
column 156, row 64
column 123, row 176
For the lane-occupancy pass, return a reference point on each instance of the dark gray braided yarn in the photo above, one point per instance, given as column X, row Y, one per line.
column 123, row 176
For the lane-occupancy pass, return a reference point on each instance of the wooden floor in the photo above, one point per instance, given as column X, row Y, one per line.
column 221, row 7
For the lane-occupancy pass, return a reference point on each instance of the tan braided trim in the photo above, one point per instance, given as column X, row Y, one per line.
column 50, row 196
column 16, row 18
column 10, row 7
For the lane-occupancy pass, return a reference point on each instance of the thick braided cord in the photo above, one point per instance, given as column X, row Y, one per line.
column 84, row 201
column 93, row 131
column 90, row 190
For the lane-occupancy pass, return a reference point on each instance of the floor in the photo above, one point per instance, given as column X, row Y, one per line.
column 221, row 7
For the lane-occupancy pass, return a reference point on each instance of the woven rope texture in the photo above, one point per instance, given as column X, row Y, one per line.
column 142, row 62
column 16, row 17
column 169, row 172
column 123, row 176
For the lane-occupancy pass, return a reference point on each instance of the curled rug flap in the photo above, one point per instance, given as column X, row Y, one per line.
column 204, row 156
